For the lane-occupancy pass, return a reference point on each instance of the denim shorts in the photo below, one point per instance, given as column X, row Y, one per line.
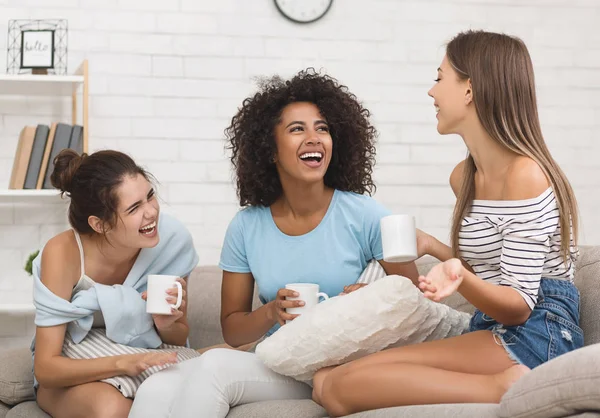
column 551, row 330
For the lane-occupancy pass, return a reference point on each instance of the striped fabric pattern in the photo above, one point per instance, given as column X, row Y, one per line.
column 515, row 243
column 372, row 272
column 96, row 345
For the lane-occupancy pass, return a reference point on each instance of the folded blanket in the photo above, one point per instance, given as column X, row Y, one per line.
column 123, row 308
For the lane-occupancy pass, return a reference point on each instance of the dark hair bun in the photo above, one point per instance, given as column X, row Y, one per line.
column 66, row 164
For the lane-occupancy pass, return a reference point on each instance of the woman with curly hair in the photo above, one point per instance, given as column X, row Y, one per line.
column 303, row 151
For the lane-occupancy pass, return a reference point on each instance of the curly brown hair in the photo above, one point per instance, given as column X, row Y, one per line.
column 252, row 141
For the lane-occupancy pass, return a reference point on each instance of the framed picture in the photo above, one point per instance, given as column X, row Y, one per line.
column 37, row 46
column 37, row 49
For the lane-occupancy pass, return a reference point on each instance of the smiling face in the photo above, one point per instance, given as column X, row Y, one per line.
column 137, row 214
column 452, row 99
column 304, row 144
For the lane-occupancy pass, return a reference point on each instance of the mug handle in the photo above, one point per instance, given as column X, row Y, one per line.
column 179, row 295
column 322, row 295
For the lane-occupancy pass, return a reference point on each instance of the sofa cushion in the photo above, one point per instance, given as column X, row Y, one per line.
column 468, row 410
column 3, row 410
column 204, row 301
column 204, row 306
column 16, row 377
column 587, row 280
column 559, row 388
column 279, row 409
column 27, row 410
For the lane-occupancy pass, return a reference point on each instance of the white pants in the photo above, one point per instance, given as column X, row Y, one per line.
column 209, row 385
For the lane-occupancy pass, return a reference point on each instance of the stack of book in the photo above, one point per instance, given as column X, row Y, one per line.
column 37, row 148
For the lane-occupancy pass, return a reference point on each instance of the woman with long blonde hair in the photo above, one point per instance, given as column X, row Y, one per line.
column 513, row 247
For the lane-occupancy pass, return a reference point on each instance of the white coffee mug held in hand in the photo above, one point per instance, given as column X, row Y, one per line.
column 399, row 238
column 307, row 292
column 156, row 302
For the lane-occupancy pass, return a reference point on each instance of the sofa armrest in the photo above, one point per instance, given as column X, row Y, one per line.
column 561, row 387
column 16, row 376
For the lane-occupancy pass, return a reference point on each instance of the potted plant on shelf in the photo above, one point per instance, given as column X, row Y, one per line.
column 29, row 263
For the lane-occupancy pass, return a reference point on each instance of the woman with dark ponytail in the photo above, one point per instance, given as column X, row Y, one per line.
column 94, row 276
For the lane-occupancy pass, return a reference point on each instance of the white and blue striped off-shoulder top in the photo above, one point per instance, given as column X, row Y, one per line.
column 516, row 243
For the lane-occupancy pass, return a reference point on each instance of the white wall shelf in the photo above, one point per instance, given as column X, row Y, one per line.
column 75, row 86
column 29, row 196
column 39, row 85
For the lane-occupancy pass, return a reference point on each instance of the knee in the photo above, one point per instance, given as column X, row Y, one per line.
column 330, row 396
column 212, row 361
column 318, row 379
column 111, row 407
column 316, row 396
column 209, row 367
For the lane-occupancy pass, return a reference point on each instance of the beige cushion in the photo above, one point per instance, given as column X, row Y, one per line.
column 467, row 410
column 27, row 410
column 587, row 280
column 279, row 409
column 16, row 377
column 561, row 387
column 204, row 306
column 204, row 301
column 3, row 410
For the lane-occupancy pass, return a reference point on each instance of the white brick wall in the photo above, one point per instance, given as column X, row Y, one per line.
column 166, row 77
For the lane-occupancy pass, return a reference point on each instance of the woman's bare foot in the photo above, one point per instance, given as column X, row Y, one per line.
column 509, row 376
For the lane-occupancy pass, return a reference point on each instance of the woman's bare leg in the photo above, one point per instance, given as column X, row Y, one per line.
column 467, row 368
column 438, row 354
column 90, row 400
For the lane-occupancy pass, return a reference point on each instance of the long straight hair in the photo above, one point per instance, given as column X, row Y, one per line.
column 501, row 74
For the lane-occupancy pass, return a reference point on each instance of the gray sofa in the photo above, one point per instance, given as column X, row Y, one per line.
column 568, row 386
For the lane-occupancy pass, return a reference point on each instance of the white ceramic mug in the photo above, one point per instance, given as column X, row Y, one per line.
column 156, row 302
column 399, row 238
column 307, row 292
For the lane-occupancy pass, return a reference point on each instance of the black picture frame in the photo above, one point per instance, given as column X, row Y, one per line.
column 14, row 54
column 52, row 50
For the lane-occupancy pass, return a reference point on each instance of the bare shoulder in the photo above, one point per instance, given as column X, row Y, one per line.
column 525, row 180
column 456, row 177
column 61, row 264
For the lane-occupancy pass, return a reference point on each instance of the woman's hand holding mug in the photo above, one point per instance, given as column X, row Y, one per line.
column 424, row 243
column 280, row 304
column 165, row 300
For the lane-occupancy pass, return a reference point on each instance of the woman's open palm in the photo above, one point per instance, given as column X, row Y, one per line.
column 442, row 280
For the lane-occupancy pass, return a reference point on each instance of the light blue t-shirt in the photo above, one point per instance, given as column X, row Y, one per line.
column 333, row 255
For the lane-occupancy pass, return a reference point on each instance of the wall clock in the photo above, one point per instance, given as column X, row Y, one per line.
column 303, row 11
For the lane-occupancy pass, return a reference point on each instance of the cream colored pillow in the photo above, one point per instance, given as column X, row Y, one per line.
column 388, row 312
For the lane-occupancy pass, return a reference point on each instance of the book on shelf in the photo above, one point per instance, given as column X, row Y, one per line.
column 22, row 156
column 37, row 154
column 62, row 140
column 36, row 150
column 46, row 157
column 76, row 142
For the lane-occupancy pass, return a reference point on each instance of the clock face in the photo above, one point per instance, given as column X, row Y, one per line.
column 303, row 11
